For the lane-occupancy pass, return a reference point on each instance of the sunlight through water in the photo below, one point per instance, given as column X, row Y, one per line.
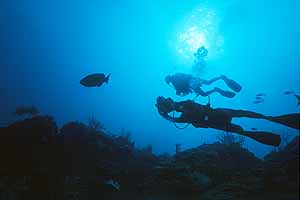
column 198, row 28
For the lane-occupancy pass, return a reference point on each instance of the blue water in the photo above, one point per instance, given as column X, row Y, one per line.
column 48, row 46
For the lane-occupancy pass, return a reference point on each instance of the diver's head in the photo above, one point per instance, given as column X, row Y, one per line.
column 164, row 105
column 201, row 52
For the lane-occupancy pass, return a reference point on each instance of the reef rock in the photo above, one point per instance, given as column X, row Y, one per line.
column 27, row 146
column 282, row 167
column 198, row 169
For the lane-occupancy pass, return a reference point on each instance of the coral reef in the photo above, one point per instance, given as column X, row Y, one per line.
column 79, row 161
column 282, row 168
column 198, row 169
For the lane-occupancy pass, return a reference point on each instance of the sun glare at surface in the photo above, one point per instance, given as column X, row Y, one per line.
column 199, row 28
column 191, row 40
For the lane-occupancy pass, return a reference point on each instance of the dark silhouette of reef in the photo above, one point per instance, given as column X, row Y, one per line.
column 38, row 160
column 78, row 161
column 282, row 168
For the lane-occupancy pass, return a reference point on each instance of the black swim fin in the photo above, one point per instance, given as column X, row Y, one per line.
column 264, row 137
column 107, row 78
column 224, row 93
column 232, row 84
column 298, row 98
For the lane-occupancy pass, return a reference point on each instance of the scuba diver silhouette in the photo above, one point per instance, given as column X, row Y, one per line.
column 185, row 84
column 200, row 57
column 203, row 116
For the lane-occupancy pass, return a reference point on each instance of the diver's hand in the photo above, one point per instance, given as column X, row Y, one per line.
column 165, row 115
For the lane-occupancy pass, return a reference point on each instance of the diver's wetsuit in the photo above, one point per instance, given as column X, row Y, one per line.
column 181, row 83
column 201, row 116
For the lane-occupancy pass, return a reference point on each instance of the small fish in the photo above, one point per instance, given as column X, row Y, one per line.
column 258, row 101
column 94, row 80
column 26, row 110
column 288, row 92
column 260, row 94
column 259, row 98
column 254, row 129
column 298, row 99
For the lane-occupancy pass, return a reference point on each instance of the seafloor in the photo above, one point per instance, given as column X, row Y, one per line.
column 79, row 161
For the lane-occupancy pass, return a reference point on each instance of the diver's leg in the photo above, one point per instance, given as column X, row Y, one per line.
column 290, row 120
column 199, row 91
column 208, row 82
column 242, row 113
column 260, row 136
column 229, row 82
column 227, row 127
column 224, row 93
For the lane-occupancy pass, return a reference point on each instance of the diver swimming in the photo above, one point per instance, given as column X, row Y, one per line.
column 94, row 80
column 204, row 116
column 185, row 84
column 200, row 55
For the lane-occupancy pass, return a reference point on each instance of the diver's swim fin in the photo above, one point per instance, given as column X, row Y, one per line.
column 298, row 98
column 224, row 93
column 264, row 137
column 107, row 78
column 232, row 84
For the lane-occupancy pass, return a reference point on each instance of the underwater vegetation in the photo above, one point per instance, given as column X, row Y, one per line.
column 79, row 161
